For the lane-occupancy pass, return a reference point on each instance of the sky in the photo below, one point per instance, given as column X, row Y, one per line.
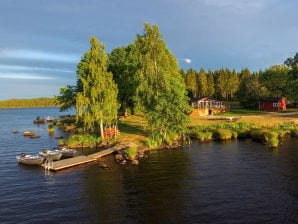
column 41, row 41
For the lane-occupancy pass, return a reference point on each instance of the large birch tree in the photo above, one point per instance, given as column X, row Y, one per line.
column 96, row 103
column 161, row 87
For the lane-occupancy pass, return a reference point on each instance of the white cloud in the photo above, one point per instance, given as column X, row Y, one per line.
column 32, row 68
column 239, row 6
column 24, row 76
column 38, row 55
column 187, row 60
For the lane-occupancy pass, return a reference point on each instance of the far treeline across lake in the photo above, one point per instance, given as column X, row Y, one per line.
column 28, row 103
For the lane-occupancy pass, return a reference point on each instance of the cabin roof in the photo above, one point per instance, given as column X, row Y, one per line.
column 204, row 99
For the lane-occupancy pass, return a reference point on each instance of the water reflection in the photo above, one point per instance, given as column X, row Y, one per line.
column 206, row 183
column 147, row 193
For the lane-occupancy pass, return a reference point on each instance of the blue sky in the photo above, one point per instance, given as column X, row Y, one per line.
column 42, row 41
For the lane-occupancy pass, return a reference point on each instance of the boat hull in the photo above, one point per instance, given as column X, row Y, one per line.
column 52, row 155
column 30, row 160
column 67, row 153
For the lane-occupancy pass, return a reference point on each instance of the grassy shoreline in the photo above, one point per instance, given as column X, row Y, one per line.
column 258, row 126
column 132, row 128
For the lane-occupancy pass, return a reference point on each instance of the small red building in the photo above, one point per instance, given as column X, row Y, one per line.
column 273, row 103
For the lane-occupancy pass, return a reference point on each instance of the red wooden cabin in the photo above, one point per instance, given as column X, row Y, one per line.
column 273, row 103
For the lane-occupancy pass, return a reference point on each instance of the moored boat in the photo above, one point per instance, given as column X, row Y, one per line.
column 30, row 159
column 67, row 153
column 29, row 134
column 49, row 119
column 51, row 154
column 39, row 121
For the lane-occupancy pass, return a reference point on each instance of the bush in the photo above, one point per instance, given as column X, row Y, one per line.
column 273, row 142
column 85, row 140
column 208, row 135
column 234, row 135
column 132, row 152
column 294, row 131
column 223, row 134
column 154, row 141
column 51, row 128
column 260, row 135
column 201, row 136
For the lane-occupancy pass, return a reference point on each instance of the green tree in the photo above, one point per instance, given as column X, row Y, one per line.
column 233, row 84
column 191, row 82
column 202, row 83
column 210, row 84
column 124, row 63
column 96, row 104
column 276, row 80
column 292, row 63
column 161, row 85
column 67, row 98
column 251, row 89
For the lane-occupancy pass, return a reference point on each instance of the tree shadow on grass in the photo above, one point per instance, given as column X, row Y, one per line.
column 133, row 129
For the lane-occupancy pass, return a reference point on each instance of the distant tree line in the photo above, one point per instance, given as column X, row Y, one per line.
column 26, row 103
column 245, row 86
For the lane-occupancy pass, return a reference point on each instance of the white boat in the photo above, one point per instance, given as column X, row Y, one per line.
column 49, row 119
column 30, row 159
column 51, row 154
column 67, row 153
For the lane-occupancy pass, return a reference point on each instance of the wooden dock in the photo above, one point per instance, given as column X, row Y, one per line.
column 78, row 160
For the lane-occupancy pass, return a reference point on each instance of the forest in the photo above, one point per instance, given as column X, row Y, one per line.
column 245, row 86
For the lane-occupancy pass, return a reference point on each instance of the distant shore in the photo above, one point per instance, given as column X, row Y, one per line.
column 28, row 103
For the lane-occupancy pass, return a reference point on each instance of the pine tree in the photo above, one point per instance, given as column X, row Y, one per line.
column 210, row 83
column 202, row 83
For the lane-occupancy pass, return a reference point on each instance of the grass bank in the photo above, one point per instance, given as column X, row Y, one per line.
column 265, row 127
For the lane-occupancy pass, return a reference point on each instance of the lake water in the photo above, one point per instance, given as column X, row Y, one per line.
column 235, row 182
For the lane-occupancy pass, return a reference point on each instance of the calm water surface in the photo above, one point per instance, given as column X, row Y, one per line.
column 236, row 182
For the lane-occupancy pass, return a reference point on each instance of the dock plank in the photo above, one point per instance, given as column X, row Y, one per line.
column 66, row 163
column 78, row 160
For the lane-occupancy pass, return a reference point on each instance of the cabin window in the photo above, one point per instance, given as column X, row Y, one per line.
column 276, row 104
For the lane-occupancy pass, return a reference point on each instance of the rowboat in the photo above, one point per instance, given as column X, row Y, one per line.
column 66, row 152
column 29, row 159
column 51, row 154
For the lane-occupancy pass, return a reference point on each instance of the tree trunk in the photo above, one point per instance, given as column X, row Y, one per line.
column 101, row 130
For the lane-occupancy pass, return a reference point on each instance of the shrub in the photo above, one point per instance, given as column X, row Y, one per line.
column 294, row 131
column 223, row 134
column 154, row 140
column 273, row 142
column 208, row 135
column 51, row 128
column 259, row 134
column 85, row 140
column 234, row 135
column 243, row 133
column 132, row 152
column 201, row 136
